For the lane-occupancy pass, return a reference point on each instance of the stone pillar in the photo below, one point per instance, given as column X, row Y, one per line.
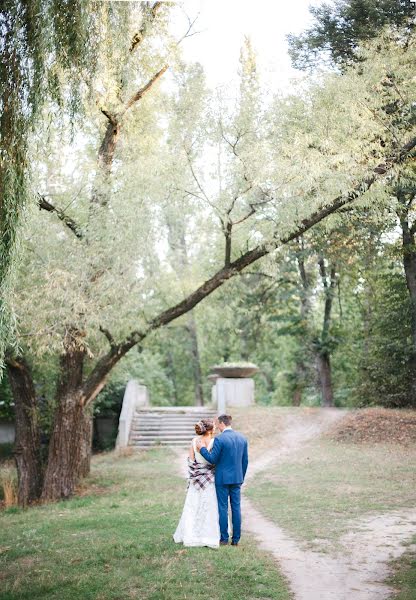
column 231, row 392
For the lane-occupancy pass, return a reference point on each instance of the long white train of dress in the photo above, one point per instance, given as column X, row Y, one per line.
column 198, row 525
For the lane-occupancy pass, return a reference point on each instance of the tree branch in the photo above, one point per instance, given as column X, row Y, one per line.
column 148, row 20
column 97, row 378
column 62, row 216
column 109, row 337
column 142, row 91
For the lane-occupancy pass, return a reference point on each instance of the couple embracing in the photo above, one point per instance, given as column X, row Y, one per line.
column 217, row 467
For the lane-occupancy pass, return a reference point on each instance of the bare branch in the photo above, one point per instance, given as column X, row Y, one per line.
column 62, row 216
column 110, row 117
column 108, row 336
column 201, row 189
column 148, row 20
column 142, row 91
column 247, row 216
column 189, row 33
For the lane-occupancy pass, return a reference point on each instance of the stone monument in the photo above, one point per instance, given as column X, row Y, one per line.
column 232, row 385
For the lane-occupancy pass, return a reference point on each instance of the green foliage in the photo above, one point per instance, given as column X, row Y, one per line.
column 48, row 53
column 6, row 400
column 110, row 400
column 385, row 375
column 339, row 27
column 191, row 167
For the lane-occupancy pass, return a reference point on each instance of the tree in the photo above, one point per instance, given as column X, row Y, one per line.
column 49, row 51
column 340, row 27
column 93, row 302
column 340, row 30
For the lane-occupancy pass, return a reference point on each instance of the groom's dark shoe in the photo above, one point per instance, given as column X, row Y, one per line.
column 223, row 543
column 234, row 543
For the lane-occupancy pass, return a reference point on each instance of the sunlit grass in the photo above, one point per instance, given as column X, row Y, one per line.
column 116, row 543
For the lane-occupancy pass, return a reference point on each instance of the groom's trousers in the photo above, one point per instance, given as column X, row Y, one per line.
column 232, row 491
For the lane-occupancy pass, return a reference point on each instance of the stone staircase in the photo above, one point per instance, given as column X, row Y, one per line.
column 166, row 426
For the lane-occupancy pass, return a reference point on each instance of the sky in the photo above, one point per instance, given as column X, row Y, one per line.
column 222, row 25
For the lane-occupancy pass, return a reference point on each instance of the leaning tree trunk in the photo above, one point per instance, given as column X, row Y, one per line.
column 27, row 448
column 66, row 446
column 324, row 370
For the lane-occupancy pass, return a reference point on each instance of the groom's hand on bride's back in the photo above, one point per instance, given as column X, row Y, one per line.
column 200, row 444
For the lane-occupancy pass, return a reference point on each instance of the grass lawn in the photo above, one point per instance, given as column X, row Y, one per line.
column 115, row 541
column 405, row 576
column 317, row 493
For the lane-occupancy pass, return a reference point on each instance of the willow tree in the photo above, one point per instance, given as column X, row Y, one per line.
column 97, row 279
column 75, row 39
column 48, row 51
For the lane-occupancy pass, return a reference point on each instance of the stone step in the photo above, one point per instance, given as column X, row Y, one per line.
column 188, row 430
column 141, row 436
column 166, row 420
column 193, row 418
column 170, row 426
column 154, row 444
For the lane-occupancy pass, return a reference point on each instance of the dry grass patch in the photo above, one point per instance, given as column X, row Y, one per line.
column 8, row 485
column 260, row 424
column 377, row 425
column 320, row 492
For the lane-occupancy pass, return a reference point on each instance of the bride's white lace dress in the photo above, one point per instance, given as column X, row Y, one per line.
column 199, row 524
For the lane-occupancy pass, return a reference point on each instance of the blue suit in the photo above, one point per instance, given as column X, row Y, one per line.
column 229, row 454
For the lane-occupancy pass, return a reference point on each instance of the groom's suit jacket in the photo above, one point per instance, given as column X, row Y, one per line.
column 229, row 454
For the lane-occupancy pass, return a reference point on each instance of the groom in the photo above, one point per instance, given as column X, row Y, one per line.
column 229, row 454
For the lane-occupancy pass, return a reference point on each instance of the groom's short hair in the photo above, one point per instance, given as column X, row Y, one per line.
column 226, row 419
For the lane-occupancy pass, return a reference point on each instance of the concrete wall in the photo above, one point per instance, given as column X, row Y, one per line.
column 7, row 432
column 135, row 396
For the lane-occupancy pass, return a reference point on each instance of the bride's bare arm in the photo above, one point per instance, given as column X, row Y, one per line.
column 191, row 451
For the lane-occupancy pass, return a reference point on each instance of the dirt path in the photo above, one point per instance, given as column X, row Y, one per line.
column 358, row 570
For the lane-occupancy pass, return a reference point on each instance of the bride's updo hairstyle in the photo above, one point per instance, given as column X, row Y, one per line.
column 203, row 426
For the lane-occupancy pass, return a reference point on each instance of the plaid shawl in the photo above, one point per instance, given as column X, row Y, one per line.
column 200, row 474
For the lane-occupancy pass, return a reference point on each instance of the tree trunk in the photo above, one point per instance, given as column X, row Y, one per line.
column 297, row 396
column 65, row 449
column 196, row 361
column 67, row 444
column 409, row 264
column 322, row 354
column 324, row 369
column 27, row 444
column 87, row 427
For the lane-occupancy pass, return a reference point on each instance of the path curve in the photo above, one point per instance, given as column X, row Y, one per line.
column 358, row 571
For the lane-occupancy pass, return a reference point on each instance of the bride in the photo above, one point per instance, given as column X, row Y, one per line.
column 199, row 524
